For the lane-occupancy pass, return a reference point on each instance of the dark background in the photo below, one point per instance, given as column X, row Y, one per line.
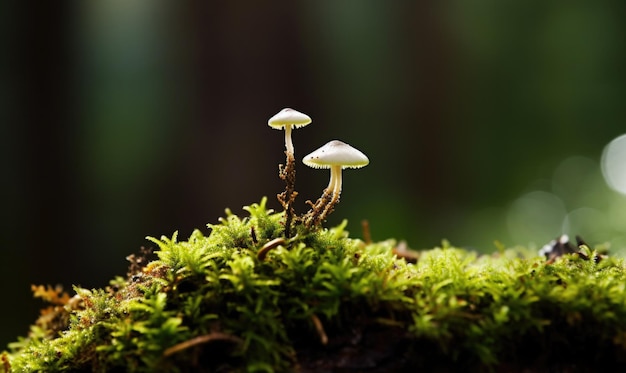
column 482, row 120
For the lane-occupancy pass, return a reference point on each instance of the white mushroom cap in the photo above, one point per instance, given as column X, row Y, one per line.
column 336, row 153
column 289, row 117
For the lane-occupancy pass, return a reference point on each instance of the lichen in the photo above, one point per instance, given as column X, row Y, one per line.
column 210, row 303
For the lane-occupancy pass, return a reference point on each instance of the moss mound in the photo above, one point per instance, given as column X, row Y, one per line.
column 245, row 298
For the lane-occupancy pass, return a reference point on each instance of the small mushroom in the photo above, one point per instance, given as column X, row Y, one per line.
column 288, row 118
column 335, row 155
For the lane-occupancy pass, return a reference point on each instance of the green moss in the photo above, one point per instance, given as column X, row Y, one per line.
column 212, row 303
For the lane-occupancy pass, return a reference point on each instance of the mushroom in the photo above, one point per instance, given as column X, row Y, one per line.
column 288, row 118
column 335, row 155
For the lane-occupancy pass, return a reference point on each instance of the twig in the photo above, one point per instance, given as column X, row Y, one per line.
column 367, row 234
column 201, row 339
column 320, row 329
column 269, row 246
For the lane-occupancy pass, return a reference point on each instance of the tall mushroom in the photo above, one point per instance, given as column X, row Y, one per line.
column 335, row 155
column 288, row 118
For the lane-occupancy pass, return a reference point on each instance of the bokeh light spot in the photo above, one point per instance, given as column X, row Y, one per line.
column 536, row 217
column 590, row 223
column 614, row 164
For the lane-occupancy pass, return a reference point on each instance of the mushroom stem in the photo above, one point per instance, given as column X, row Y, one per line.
column 288, row 143
column 290, row 179
column 335, row 177
column 335, row 172
column 330, row 197
column 287, row 198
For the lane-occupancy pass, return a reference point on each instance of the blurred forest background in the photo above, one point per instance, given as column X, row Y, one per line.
column 483, row 121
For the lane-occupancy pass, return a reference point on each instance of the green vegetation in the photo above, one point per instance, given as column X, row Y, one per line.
column 211, row 304
column 278, row 292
